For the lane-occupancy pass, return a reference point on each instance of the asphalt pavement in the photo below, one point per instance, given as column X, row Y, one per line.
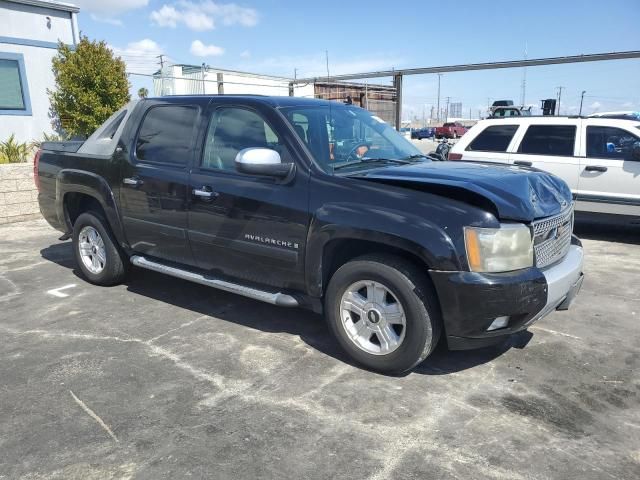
column 159, row 378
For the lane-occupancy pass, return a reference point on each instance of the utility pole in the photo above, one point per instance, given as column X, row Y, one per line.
column 447, row 115
column 559, row 97
column 524, row 79
column 161, row 57
column 438, row 109
column 204, row 90
column 581, row 99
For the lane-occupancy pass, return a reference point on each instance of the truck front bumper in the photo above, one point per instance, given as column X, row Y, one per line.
column 480, row 309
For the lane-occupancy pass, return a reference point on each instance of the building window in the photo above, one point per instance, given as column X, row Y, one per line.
column 14, row 92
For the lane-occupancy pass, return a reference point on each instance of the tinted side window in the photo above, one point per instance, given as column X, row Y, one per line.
column 233, row 129
column 166, row 135
column 493, row 139
column 609, row 142
column 549, row 140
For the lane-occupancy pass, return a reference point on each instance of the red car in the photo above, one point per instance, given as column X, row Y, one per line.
column 451, row 130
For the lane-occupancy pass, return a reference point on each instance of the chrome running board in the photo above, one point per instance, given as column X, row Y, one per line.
column 278, row 298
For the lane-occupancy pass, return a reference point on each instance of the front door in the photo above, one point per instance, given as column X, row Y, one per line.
column 154, row 192
column 552, row 148
column 609, row 175
column 244, row 226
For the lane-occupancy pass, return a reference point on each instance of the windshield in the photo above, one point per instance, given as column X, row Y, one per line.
column 347, row 138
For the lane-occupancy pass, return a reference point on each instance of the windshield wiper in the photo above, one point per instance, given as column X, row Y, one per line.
column 372, row 160
column 415, row 156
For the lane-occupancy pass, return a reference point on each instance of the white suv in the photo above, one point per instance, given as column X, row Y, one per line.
column 599, row 158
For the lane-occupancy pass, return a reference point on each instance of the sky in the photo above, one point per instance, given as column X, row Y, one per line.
column 279, row 37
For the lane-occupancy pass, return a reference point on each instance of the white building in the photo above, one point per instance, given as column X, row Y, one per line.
column 198, row 80
column 29, row 35
column 194, row 80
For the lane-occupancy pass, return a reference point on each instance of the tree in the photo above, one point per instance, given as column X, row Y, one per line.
column 143, row 92
column 91, row 84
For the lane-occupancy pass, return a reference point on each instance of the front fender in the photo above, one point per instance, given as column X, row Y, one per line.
column 79, row 181
column 358, row 221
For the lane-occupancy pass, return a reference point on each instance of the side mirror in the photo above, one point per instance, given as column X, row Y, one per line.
column 635, row 151
column 262, row 161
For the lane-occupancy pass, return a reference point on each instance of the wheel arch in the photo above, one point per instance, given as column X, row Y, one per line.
column 80, row 191
column 334, row 247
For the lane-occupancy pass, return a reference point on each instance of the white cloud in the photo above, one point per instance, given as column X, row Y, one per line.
column 627, row 105
column 109, row 20
column 140, row 56
column 245, row 54
column 113, row 7
column 199, row 49
column 166, row 17
column 203, row 15
column 107, row 12
column 595, row 106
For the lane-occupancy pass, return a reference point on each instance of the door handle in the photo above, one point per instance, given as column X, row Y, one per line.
column 132, row 181
column 205, row 192
column 522, row 163
column 595, row 168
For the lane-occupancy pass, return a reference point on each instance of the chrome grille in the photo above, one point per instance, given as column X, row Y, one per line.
column 552, row 237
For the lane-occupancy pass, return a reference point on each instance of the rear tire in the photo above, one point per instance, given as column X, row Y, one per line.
column 96, row 251
column 364, row 303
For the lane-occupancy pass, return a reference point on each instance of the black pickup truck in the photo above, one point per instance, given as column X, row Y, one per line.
column 300, row 202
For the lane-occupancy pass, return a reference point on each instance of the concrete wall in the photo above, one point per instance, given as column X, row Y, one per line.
column 18, row 193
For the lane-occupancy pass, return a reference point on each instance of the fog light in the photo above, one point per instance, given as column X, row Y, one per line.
column 499, row 322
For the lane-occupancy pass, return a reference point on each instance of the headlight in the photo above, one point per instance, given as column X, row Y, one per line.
column 499, row 249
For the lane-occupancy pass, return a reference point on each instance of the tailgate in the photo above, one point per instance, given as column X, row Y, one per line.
column 66, row 147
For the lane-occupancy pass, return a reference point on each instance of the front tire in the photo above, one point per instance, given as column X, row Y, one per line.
column 97, row 254
column 383, row 312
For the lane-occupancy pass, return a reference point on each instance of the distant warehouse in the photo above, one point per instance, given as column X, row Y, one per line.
column 197, row 80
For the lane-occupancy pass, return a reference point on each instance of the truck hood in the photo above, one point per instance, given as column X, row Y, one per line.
column 515, row 193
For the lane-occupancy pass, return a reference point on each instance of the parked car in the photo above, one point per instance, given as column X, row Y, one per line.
column 510, row 112
column 308, row 203
column 599, row 158
column 420, row 133
column 451, row 130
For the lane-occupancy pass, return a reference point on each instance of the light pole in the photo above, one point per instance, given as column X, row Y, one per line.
column 581, row 99
column 438, row 109
column 559, row 98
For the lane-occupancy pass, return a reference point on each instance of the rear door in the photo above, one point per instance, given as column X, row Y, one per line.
column 552, row 147
column 250, row 227
column 609, row 175
column 155, row 175
column 490, row 145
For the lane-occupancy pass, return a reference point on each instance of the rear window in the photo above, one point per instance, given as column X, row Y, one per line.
column 493, row 139
column 449, row 124
column 549, row 140
column 166, row 134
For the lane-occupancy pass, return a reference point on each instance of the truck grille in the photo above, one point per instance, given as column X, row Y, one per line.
column 552, row 237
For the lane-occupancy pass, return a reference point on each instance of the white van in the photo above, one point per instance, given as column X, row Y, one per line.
column 599, row 158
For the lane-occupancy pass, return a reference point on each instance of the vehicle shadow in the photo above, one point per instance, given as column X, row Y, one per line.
column 308, row 326
column 590, row 228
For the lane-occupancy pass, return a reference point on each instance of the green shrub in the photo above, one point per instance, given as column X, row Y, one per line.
column 13, row 151
column 54, row 137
